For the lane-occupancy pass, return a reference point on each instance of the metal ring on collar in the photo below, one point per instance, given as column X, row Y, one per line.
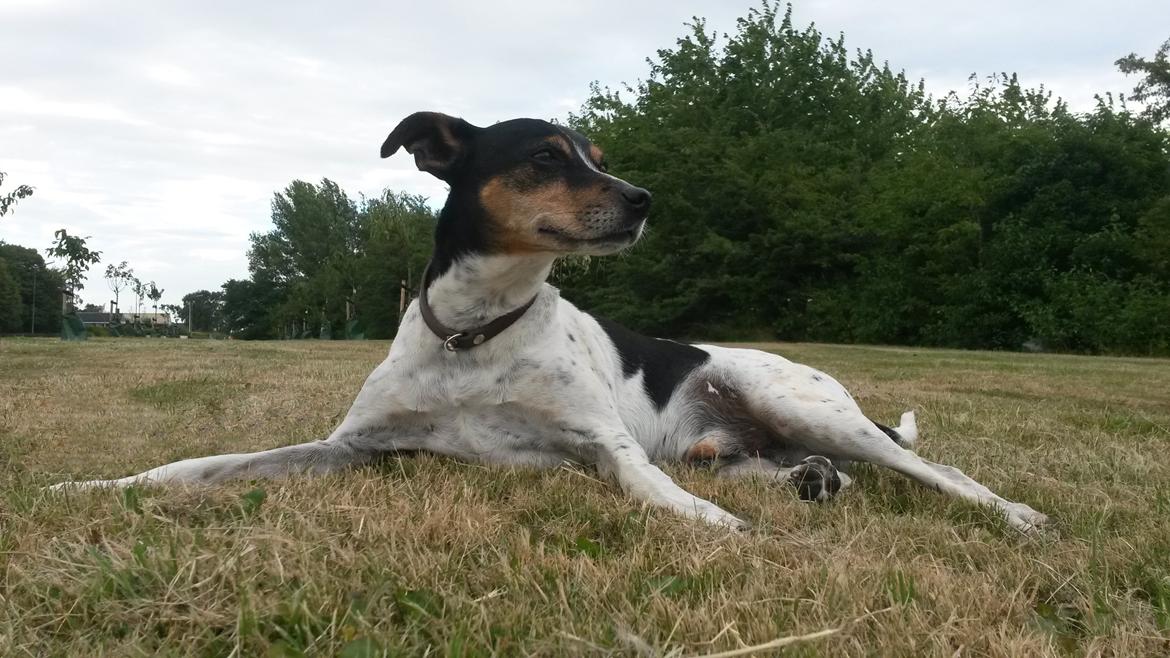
column 450, row 345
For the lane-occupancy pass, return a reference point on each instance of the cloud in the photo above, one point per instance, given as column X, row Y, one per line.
column 163, row 129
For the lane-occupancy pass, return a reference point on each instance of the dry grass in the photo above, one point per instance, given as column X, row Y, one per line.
column 423, row 555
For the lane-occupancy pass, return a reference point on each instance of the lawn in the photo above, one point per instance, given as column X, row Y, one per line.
column 421, row 555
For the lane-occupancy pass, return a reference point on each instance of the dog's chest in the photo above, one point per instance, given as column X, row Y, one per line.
column 521, row 397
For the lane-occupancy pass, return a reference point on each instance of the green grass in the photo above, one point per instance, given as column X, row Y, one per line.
column 422, row 554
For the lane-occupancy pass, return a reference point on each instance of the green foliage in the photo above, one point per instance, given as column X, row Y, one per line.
column 248, row 306
column 756, row 154
column 1153, row 88
column 8, row 200
column 802, row 192
column 154, row 294
column 117, row 278
column 39, row 290
column 9, row 301
column 78, row 257
column 396, row 244
column 330, row 266
column 203, row 309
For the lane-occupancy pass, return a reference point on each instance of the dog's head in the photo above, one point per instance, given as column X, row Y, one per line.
column 528, row 186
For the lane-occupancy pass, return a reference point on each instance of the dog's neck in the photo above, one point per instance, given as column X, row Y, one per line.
column 475, row 289
column 468, row 285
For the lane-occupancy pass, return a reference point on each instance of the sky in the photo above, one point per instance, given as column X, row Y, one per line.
column 163, row 128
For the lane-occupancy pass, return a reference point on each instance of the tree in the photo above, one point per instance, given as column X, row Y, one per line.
column 247, row 307
column 139, row 290
column 802, row 192
column 310, row 256
column 175, row 312
column 202, row 310
column 9, row 301
column 329, row 264
column 155, row 294
column 1153, row 88
column 757, row 151
column 8, row 201
column 38, row 285
column 118, row 277
column 396, row 244
column 78, row 258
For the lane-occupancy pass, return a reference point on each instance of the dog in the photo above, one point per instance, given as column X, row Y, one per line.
column 491, row 365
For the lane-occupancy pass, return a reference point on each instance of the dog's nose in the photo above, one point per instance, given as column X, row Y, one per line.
column 638, row 198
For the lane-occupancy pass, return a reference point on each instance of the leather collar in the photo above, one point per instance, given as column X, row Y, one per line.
column 454, row 341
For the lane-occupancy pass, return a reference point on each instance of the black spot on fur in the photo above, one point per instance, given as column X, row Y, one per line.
column 817, row 378
column 814, row 477
column 664, row 363
column 572, row 338
column 581, row 434
column 213, row 472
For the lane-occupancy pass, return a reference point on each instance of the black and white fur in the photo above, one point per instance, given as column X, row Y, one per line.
column 560, row 384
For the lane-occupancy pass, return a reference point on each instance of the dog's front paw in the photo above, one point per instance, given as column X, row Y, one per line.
column 79, row 485
column 1025, row 519
column 815, row 479
column 715, row 515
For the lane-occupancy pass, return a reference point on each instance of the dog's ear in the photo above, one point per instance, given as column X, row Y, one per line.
column 436, row 141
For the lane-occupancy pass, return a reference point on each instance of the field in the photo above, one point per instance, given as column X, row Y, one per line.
column 421, row 555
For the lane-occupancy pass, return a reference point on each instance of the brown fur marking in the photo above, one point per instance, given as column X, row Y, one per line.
column 517, row 215
column 705, row 450
column 596, row 154
column 561, row 144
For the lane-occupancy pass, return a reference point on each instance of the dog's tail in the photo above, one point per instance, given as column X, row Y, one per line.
column 905, row 434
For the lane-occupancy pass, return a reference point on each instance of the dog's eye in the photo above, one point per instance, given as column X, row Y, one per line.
column 545, row 155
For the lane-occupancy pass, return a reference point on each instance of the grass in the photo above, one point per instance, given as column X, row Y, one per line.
column 424, row 555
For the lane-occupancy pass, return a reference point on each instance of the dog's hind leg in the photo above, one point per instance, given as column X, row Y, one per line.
column 942, row 477
column 811, row 410
column 815, row 478
column 856, row 438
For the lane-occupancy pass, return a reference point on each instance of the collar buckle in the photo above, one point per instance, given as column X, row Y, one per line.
column 450, row 344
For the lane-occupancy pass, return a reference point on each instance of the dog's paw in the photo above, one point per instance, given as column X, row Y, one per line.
column 715, row 515
column 815, row 479
column 79, row 485
column 1025, row 519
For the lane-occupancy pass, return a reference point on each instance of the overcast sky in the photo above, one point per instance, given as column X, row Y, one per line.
column 162, row 128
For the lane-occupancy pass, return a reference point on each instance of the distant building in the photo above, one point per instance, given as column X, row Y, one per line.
column 102, row 319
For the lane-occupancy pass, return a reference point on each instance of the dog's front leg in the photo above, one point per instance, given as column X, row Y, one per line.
column 374, row 426
column 622, row 458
